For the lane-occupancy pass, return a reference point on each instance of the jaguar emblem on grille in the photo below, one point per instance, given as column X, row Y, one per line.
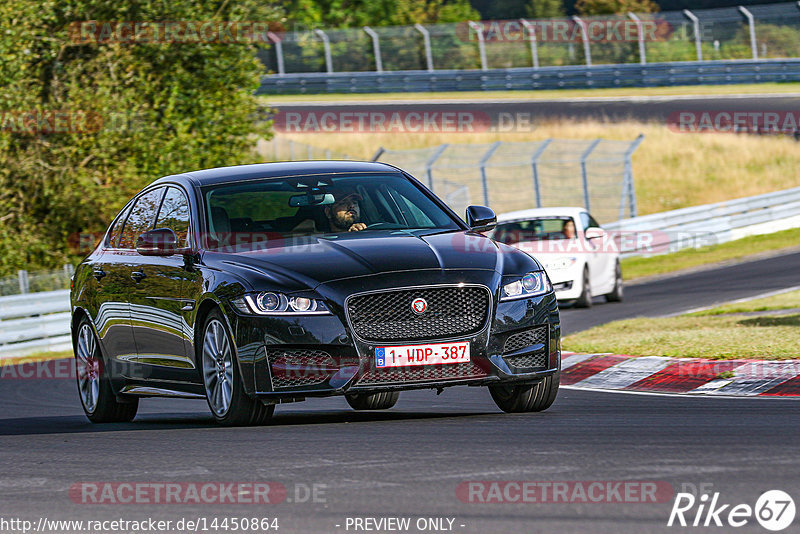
column 419, row 306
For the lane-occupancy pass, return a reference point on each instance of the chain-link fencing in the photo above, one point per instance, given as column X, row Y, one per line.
column 753, row 32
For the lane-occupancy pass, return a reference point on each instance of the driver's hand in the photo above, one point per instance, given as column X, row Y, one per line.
column 357, row 227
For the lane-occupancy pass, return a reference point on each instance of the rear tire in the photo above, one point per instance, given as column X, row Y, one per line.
column 94, row 383
column 585, row 300
column 227, row 399
column 618, row 294
column 528, row 397
column 373, row 401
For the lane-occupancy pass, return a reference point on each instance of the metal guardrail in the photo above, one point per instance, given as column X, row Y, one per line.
column 711, row 224
column 562, row 77
column 34, row 322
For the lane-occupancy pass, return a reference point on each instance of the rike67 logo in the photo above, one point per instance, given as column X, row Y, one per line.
column 774, row 510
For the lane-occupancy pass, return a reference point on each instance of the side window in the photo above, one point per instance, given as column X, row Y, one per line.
column 141, row 219
column 593, row 223
column 116, row 228
column 174, row 214
column 585, row 220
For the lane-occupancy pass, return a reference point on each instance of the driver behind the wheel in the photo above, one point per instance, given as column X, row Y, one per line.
column 344, row 214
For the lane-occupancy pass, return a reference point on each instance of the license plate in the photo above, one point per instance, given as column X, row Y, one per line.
column 430, row 354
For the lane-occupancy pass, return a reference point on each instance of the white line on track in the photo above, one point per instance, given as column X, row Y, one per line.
column 679, row 395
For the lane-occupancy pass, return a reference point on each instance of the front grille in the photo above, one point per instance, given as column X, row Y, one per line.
column 527, row 361
column 299, row 367
column 427, row 373
column 451, row 312
column 526, row 338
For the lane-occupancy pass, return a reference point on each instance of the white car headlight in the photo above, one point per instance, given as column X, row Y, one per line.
column 530, row 285
column 273, row 303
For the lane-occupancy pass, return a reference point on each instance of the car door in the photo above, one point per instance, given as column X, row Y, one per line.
column 602, row 261
column 158, row 306
column 112, row 284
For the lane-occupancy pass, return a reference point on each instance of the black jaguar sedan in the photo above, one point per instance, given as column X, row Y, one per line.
column 254, row 285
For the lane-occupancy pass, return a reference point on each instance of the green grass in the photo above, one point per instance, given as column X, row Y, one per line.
column 633, row 268
column 719, row 334
column 36, row 357
column 783, row 301
column 759, row 88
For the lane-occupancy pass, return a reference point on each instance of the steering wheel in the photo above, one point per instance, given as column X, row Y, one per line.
column 379, row 225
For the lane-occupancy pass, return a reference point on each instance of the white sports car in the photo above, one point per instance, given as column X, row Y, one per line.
column 580, row 257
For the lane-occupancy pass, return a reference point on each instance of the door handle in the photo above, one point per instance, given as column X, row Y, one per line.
column 98, row 274
column 138, row 275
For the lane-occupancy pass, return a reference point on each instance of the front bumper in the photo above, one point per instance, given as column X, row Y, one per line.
column 285, row 358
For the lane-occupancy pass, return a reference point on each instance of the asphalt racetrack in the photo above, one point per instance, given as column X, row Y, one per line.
column 410, row 461
column 612, row 109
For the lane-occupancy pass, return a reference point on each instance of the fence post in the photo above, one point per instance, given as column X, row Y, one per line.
column 431, row 161
column 310, row 151
column 326, row 44
column 640, row 33
column 752, row 24
column 426, row 40
column 629, row 178
column 484, row 178
column 24, row 284
column 585, row 36
column 378, row 154
column 327, row 153
column 585, row 174
column 291, row 150
column 278, row 51
column 534, row 46
column 697, row 41
column 376, row 48
column 535, row 166
column 481, row 44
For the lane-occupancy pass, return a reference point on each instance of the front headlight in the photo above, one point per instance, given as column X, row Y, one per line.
column 530, row 285
column 274, row 303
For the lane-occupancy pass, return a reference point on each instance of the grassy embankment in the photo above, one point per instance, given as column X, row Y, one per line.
column 765, row 328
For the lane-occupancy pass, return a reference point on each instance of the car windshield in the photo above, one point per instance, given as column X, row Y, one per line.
column 535, row 229
column 273, row 210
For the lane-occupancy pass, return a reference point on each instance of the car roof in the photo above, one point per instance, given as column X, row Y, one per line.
column 277, row 170
column 533, row 213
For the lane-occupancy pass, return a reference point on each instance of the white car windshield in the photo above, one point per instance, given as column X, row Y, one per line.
column 537, row 229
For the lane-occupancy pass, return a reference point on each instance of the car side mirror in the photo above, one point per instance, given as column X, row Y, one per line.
column 594, row 233
column 481, row 218
column 158, row 242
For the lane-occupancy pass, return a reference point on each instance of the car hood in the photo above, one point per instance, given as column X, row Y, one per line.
column 316, row 260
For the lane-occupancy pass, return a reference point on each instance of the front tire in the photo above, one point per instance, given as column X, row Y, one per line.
column 585, row 300
column 227, row 399
column 617, row 294
column 373, row 401
column 528, row 397
column 94, row 383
